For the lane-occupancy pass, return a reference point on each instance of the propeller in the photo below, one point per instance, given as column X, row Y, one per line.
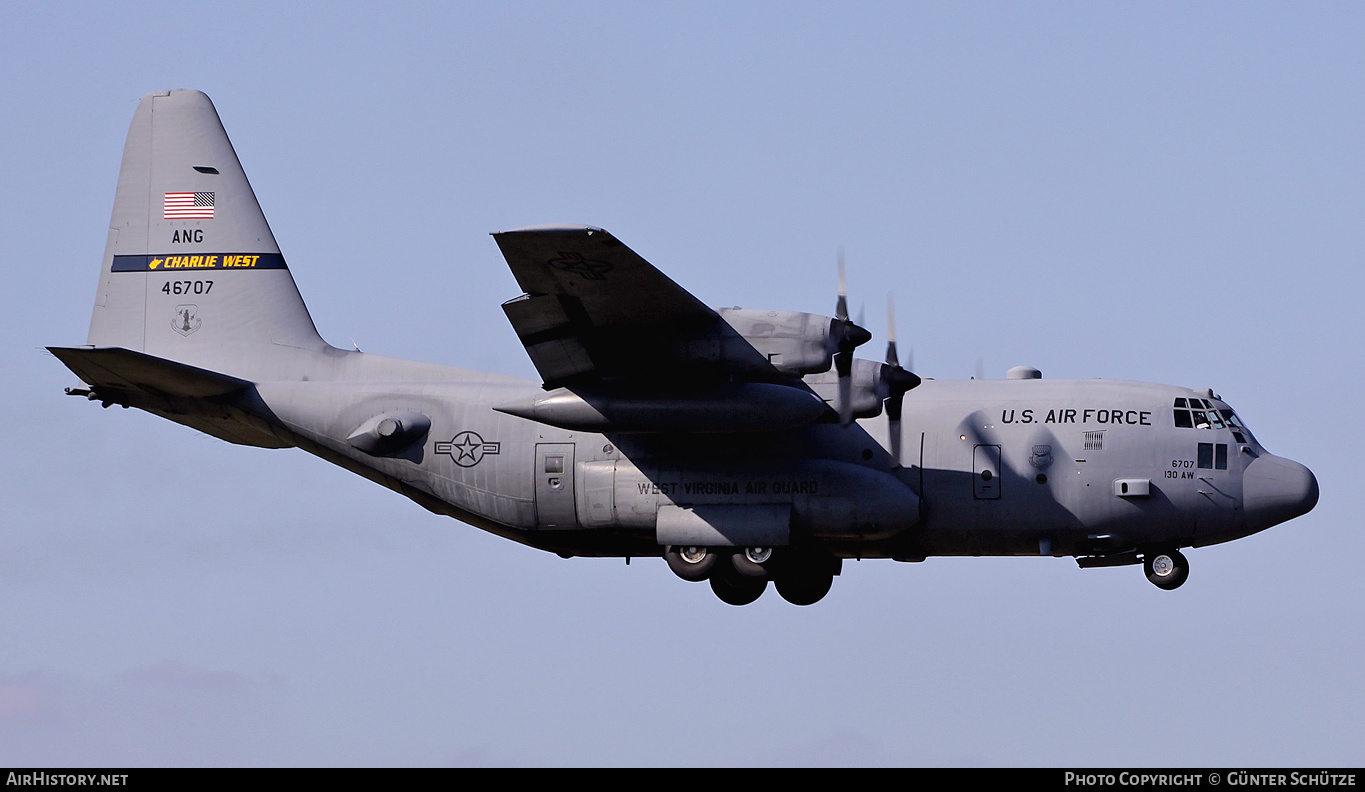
column 846, row 337
column 897, row 381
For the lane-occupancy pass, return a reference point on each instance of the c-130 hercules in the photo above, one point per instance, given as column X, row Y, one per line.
column 742, row 446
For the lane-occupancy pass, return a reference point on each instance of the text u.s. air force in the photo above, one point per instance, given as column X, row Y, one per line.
column 1083, row 415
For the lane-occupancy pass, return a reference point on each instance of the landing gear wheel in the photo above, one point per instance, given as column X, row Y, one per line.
column 690, row 562
column 805, row 577
column 806, row 581
column 735, row 589
column 806, row 589
column 1167, row 569
column 753, row 561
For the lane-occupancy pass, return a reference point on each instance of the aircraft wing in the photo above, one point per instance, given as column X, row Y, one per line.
column 593, row 308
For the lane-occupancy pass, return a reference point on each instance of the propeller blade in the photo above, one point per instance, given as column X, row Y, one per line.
column 893, row 421
column 846, row 336
column 841, row 307
column 843, row 366
column 846, row 398
column 892, row 358
column 897, row 381
column 893, row 399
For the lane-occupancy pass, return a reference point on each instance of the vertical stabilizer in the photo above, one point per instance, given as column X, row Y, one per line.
column 191, row 271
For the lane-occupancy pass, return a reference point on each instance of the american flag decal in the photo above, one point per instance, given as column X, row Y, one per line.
column 189, row 206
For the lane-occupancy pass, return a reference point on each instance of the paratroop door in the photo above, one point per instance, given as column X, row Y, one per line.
column 554, row 486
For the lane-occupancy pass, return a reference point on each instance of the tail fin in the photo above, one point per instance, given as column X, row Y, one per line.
column 191, row 270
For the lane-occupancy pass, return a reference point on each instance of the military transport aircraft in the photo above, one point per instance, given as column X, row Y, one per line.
column 742, row 446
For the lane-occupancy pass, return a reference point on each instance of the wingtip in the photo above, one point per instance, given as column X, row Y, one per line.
column 552, row 228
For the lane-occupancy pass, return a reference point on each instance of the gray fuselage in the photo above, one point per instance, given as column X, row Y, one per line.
column 991, row 467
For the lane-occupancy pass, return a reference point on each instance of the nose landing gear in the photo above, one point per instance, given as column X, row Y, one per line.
column 1167, row 569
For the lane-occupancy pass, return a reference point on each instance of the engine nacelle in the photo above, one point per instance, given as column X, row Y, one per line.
column 733, row 343
column 759, row 344
column 791, row 342
column 868, row 390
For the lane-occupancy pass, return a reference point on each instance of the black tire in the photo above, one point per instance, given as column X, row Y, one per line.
column 1167, row 569
column 685, row 564
column 749, row 568
column 805, row 585
column 735, row 589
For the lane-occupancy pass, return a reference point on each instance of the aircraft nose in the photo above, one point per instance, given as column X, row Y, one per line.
column 1275, row 489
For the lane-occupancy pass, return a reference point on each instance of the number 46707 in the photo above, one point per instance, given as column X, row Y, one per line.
column 187, row 287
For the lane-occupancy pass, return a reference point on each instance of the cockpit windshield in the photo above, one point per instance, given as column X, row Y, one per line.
column 1198, row 413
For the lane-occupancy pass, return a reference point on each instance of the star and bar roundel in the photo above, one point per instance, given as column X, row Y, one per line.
column 467, row 448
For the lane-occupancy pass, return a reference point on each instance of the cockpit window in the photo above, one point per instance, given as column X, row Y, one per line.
column 1194, row 413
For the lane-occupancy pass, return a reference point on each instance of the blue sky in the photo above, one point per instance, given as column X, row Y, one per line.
column 1145, row 191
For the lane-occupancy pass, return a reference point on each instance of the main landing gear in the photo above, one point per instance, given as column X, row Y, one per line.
column 1167, row 569
column 690, row 563
column 740, row 576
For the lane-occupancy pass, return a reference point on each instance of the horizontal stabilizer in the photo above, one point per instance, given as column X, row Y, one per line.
column 213, row 403
column 117, row 369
